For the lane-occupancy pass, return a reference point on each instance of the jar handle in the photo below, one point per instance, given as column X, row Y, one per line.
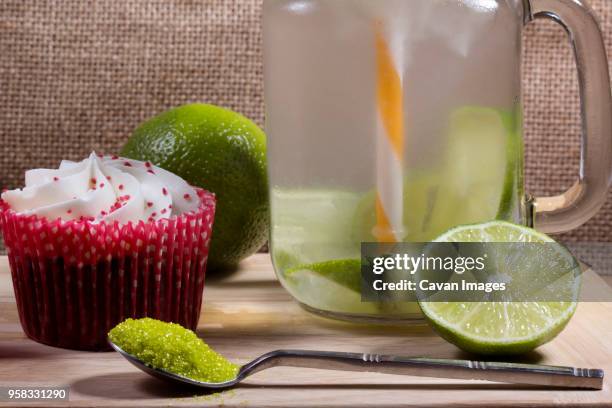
column 582, row 201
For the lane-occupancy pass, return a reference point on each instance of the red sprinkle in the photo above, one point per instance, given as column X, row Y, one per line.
column 164, row 191
column 127, row 164
column 147, row 164
column 187, row 196
column 114, row 157
column 69, row 212
column 149, row 204
column 102, row 212
column 93, row 180
column 100, row 155
column 120, row 186
column 170, row 206
column 150, row 171
column 163, row 211
column 101, row 185
column 154, row 215
column 108, row 178
column 55, row 178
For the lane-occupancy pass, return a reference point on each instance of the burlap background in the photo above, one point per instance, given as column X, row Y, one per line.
column 80, row 75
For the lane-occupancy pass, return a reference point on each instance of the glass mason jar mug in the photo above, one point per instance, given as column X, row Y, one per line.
column 395, row 120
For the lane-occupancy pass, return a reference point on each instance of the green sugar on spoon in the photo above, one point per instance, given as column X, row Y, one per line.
column 171, row 347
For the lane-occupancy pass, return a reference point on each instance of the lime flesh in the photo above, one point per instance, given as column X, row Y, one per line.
column 509, row 327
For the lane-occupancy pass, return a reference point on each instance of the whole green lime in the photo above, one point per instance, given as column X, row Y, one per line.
column 223, row 152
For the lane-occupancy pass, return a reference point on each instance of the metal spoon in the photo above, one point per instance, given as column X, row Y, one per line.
column 531, row 374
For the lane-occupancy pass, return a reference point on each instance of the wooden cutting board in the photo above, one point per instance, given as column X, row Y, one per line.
column 247, row 313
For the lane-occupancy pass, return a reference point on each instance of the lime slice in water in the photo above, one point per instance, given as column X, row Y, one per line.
column 337, row 286
column 331, row 285
column 476, row 182
column 481, row 163
column 344, row 272
column 506, row 327
column 314, row 251
column 427, row 213
column 313, row 225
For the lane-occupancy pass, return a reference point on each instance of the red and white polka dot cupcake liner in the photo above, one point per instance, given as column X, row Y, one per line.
column 75, row 280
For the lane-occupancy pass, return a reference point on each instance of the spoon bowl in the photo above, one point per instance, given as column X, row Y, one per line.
column 169, row 376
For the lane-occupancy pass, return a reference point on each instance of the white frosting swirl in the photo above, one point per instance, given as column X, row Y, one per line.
column 103, row 189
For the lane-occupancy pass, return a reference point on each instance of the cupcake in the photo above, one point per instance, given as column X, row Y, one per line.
column 98, row 241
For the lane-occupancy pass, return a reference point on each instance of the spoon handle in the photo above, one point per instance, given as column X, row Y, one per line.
column 553, row 376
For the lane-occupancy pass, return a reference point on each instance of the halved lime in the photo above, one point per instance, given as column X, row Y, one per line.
column 510, row 327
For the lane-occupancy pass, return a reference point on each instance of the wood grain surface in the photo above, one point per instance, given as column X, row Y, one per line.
column 247, row 313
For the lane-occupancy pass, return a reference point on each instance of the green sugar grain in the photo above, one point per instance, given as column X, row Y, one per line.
column 173, row 348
